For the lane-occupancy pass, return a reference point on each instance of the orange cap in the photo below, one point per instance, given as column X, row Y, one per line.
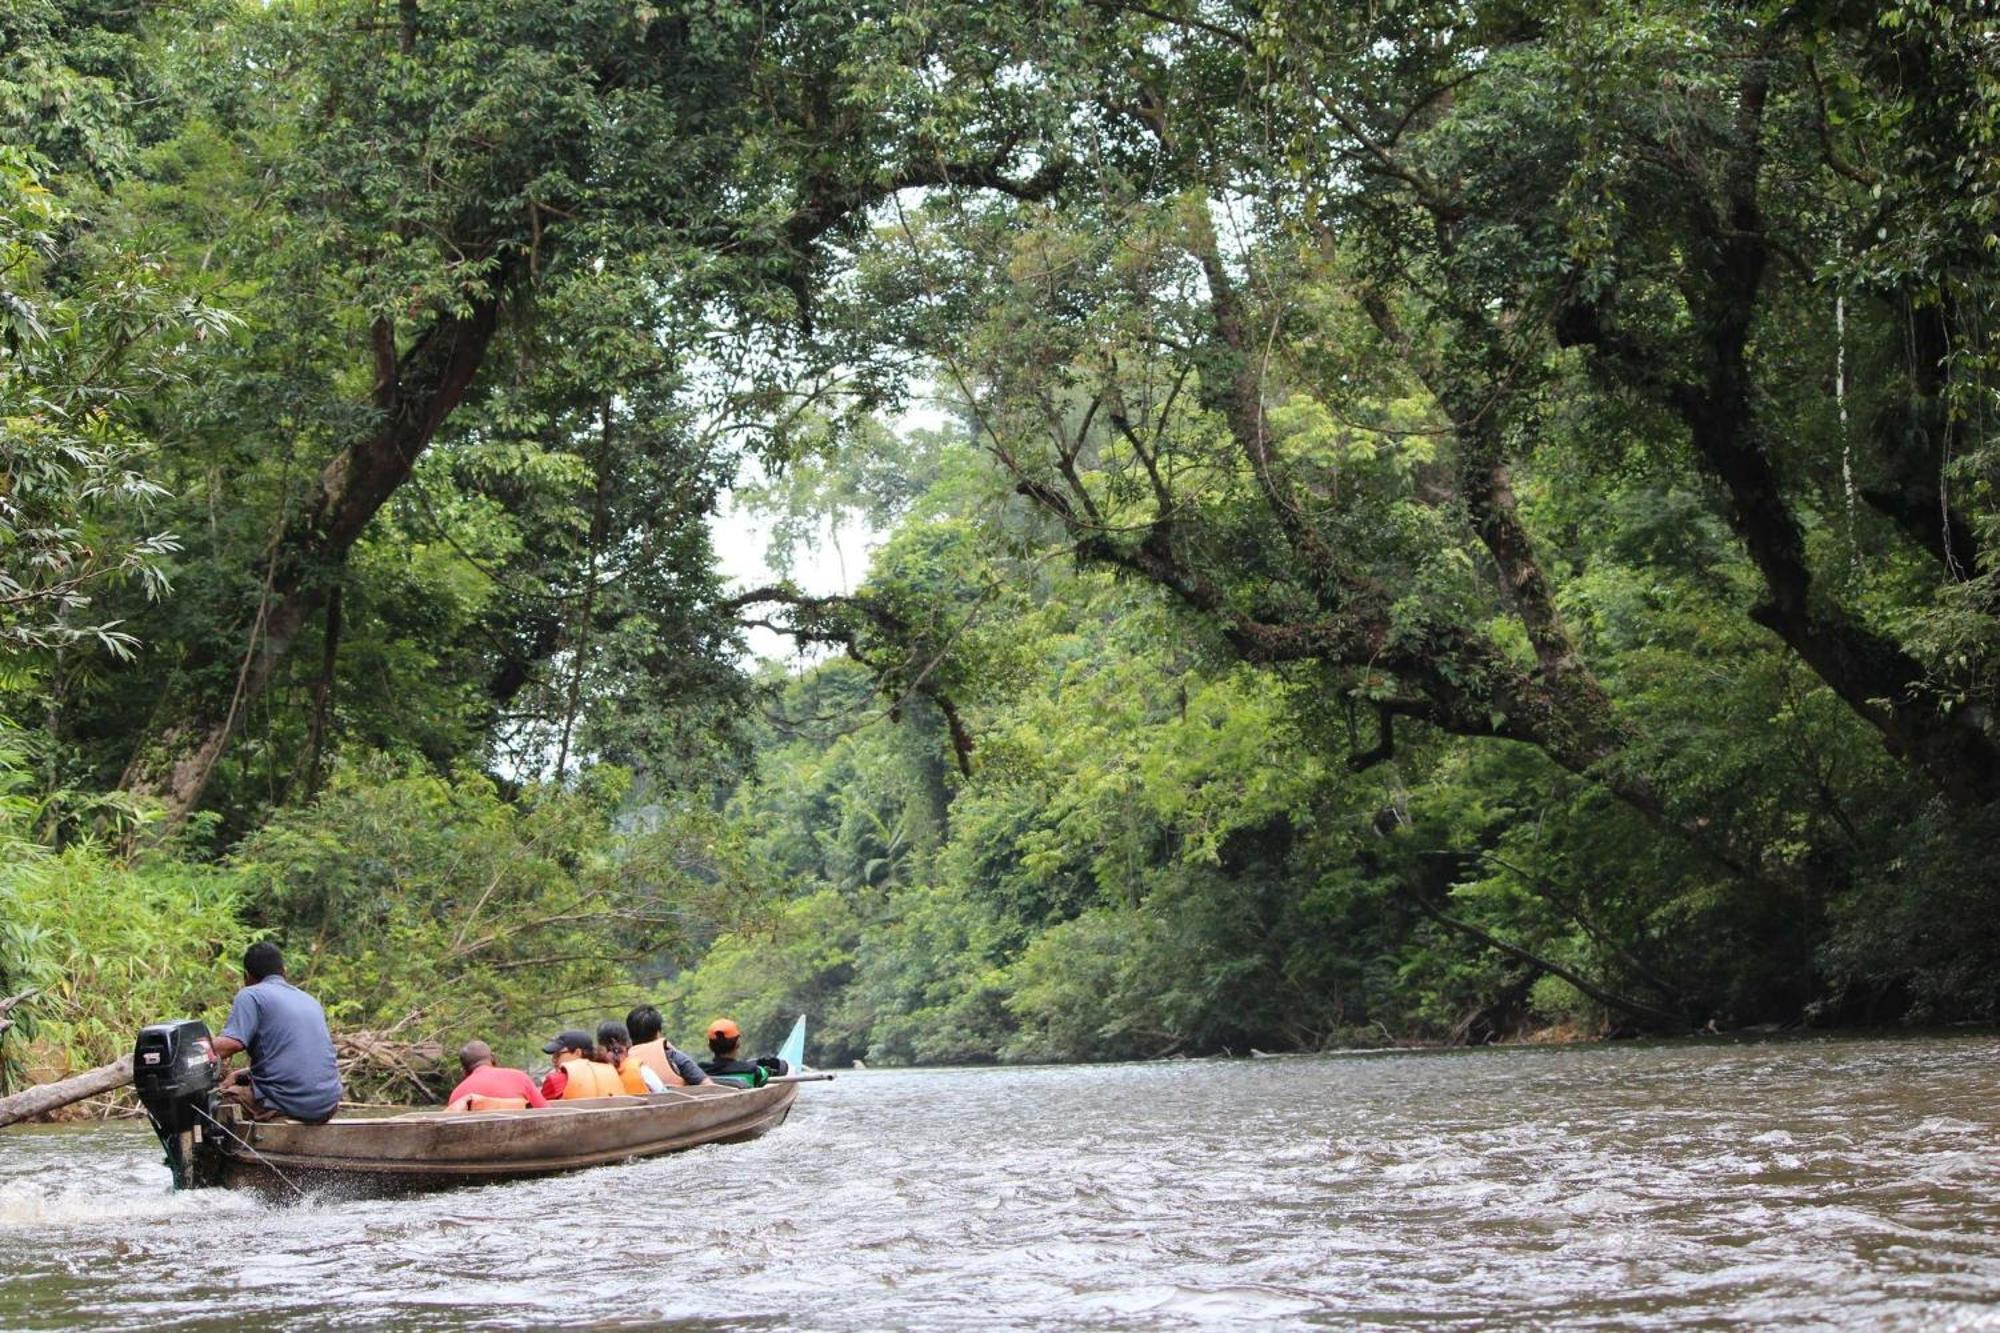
column 725, row 1029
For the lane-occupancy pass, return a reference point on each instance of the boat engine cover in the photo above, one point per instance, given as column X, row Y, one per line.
column 175, row 1072
column 173, row 1067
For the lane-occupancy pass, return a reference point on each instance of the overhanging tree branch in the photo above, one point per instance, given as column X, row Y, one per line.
column 1624, row 1004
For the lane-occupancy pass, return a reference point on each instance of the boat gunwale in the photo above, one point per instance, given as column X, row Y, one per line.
column 763, row 1113
column 582, row 1106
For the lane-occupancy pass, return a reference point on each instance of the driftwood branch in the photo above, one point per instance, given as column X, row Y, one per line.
column 383, row 1055
column 7, row 1006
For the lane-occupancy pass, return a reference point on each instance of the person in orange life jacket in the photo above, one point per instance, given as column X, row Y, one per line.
column 724, row 1063
column 580, row 1070
column 659, row 1055
column 485, row 1079
column 616, row 1043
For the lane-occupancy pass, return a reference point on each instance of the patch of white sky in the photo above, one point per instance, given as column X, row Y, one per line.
column 833, row 561
column 830, row 564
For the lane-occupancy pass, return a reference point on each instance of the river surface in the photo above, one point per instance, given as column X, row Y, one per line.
column 1813, row 1184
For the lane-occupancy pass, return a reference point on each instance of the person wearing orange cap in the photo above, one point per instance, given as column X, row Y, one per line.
column 725, row 1065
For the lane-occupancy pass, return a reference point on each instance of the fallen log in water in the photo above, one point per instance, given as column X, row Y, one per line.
column 374, row 1056
column 49, row 1097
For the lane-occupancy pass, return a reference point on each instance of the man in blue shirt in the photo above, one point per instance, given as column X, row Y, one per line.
column 292, row 1070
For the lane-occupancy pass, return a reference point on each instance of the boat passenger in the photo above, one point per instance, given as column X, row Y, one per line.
column 616, row 1043
column 486, row 1083
column 725, row 1065
column 580, row 1071
column 673, row 1065
column 292, row 1070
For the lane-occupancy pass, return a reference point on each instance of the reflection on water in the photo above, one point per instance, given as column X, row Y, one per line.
column 1808, row 1183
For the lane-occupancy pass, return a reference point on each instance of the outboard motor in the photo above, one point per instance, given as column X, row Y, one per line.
column 175, row 1071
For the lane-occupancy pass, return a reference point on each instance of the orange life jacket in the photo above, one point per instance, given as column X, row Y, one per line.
column 473, row 1101
column 629, row 1075
column 588, row 1078
column 653, row 1055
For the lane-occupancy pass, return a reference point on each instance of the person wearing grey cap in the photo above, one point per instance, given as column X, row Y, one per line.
column 580, row 1071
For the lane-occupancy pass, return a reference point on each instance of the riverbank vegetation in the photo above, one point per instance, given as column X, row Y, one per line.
column 1422, row 522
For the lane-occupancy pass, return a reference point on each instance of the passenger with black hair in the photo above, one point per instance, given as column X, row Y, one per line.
column 616, row 1042
column 292, row 1070
column 674, row 1067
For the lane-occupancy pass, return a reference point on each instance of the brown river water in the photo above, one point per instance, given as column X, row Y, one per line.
column 1804, row 1184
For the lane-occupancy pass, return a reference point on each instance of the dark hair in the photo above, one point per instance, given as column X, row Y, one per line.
column 261, row 960
column 643, row 1023
column 612, row 1033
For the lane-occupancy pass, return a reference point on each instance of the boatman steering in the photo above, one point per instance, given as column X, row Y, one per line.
column 292, row 1071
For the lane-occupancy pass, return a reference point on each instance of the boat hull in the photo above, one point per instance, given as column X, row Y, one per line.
column 431, row 1149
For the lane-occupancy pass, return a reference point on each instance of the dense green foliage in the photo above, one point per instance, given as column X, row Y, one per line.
column 1451, row 517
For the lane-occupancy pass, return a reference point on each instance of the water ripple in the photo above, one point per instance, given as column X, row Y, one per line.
column 1812, row 1184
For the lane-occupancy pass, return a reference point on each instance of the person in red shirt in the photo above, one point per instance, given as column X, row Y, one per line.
column 483, row 1078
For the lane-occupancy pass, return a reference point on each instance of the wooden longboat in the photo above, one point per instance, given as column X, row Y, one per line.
column 428, row 1149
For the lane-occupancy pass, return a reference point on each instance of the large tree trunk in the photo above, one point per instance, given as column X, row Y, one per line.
column 1871, row 673
column 415, row 393
column 1912, row 443
column 307, row 774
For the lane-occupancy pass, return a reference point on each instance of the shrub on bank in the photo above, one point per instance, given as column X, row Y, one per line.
column 113, row 947
column 421, row 909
